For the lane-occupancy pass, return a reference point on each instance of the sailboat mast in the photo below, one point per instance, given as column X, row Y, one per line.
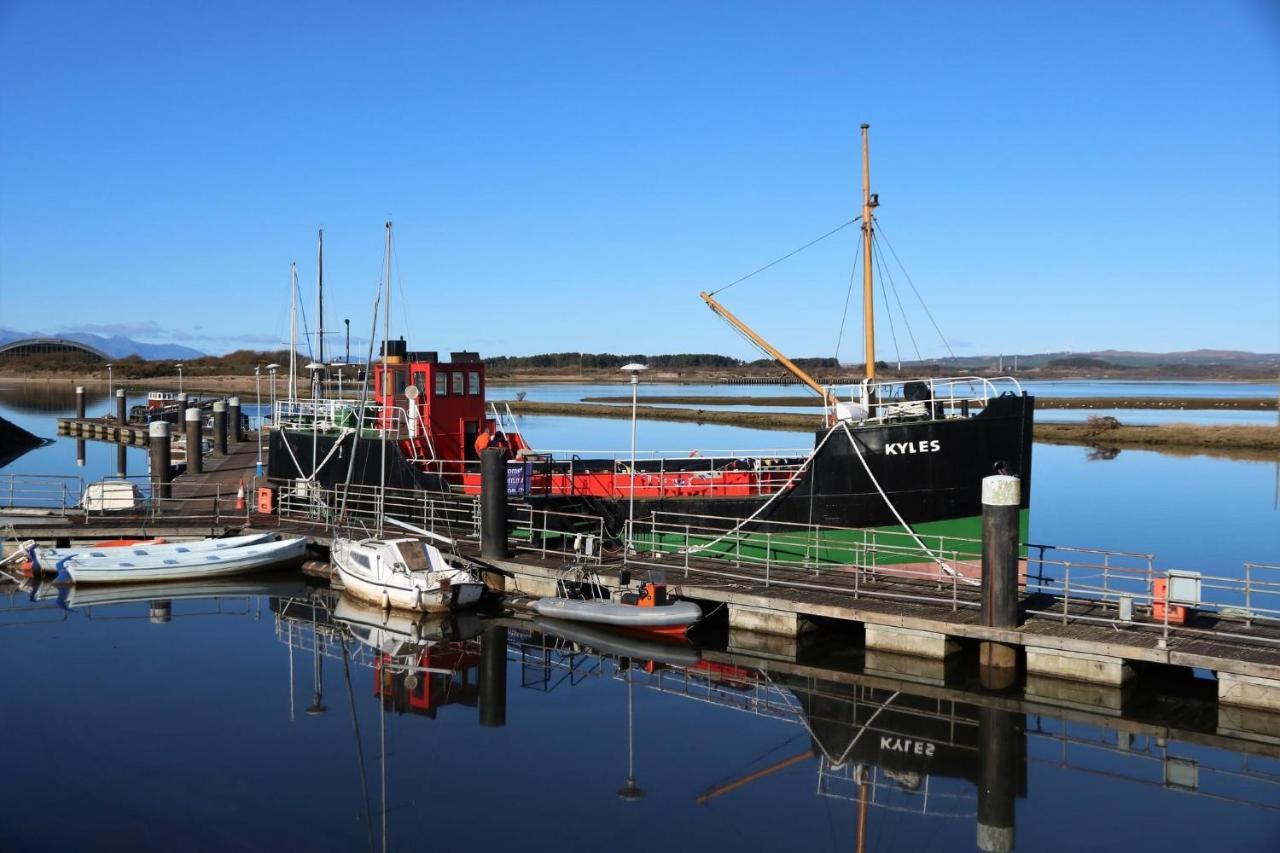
column 869, row 201
column 320, row 293
column 293, row 332
column 386, row 383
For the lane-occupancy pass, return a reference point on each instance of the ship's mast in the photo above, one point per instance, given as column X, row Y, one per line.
column 768, row 348
column 320, row 293
column 869, row 201
column 386, row 347
column 293, row 332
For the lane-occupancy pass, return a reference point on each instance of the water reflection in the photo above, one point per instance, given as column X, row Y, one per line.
column 52, row 398
column 415, row 720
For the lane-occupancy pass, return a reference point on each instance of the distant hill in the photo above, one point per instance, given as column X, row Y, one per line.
column 115, row 346
column 1121, row 359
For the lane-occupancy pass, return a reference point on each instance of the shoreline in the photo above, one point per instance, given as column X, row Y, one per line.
column 1256, row 442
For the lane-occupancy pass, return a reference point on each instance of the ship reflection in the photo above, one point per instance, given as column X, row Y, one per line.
column 930, row 749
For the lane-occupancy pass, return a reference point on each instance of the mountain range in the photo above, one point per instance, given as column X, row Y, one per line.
column 115, row 346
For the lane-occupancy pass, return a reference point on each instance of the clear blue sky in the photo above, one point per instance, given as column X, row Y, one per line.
column 1073, row 175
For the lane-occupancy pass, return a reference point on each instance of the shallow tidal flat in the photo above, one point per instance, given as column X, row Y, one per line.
column 1259, row 442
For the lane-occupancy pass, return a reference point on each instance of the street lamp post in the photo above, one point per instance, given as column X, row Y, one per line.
column 272, row 368
column 110, row 391
column 257, row 390
column 634, row 369
column 179, row 377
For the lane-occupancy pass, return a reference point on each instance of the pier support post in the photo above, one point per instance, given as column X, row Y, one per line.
column 233, row 421
column 195, row 442
column 122, row 416
column 999, row 755
column 182, row 401
column 80, row 402
column 161, row 476
column 493, row 677
column 1001, row 497
column 220, row 428
column 493, row 504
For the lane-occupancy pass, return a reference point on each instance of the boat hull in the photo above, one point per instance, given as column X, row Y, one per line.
column 677, row 617
column 403, row 597
column 234, row 561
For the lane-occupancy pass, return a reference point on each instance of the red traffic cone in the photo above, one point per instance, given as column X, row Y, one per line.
column 240, row 495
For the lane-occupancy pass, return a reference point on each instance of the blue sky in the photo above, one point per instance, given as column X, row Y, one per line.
column 567, row 176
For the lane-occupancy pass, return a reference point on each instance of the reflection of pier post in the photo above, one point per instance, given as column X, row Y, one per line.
column 122, row 461
column 160, row 611
column 493, row 677
column 1001, row 763
column 79, row 452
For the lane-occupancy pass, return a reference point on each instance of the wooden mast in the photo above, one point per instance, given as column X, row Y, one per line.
column 869, row 201
column 768, row 348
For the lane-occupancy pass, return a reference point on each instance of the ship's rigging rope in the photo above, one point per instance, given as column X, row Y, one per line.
column 284, row 435
column 941, row 564
column 844, row 315
column 857, row 449
column 893, row 286
column 880, row 234
column 790, row 254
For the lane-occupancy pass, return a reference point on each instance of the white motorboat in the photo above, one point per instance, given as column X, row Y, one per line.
column 46, row 559
column 170, row 565
column 407, row 573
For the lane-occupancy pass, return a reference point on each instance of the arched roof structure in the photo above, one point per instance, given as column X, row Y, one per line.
column 46, row 346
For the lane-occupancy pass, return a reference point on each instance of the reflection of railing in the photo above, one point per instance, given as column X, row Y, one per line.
column 927, row 795
column 1150, row 760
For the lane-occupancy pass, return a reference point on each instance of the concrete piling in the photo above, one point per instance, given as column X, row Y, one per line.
column 220, row 428
column 195, row 442
column 1001, row 498
column 493, row 504
column 161, row 474
column 235, row 436
column 493, row 677
column 122, row 416
column 80, row 402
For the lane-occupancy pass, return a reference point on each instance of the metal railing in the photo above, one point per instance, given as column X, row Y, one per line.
column 54, row 492
column 329, row 414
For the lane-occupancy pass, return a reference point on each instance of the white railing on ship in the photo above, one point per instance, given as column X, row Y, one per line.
column 953, row 392
column 327, row 414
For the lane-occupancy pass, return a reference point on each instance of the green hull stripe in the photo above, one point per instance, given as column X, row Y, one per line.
column 957, row 538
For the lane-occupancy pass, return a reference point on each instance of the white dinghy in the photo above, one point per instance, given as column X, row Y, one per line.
column 189, row 565
column 47, row 559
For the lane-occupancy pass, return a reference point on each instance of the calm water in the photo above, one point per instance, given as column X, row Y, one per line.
column 193, row 731
column 572, row 393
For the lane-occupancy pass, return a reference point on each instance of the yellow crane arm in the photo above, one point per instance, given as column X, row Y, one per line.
column 787, row 363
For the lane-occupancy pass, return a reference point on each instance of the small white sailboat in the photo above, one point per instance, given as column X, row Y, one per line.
column 407, row 573
column 189, row 565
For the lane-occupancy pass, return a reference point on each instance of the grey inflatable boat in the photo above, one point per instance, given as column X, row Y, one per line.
column 667, row 618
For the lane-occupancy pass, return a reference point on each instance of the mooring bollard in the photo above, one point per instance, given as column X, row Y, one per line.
column 195, row 442
column 161, row 475
column 80, row 402
column 122, row 417
column 493, row 677
column 1001, row 501
column 493, row 504
column 233, row 420
column 220, row 428
column 999, row 753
